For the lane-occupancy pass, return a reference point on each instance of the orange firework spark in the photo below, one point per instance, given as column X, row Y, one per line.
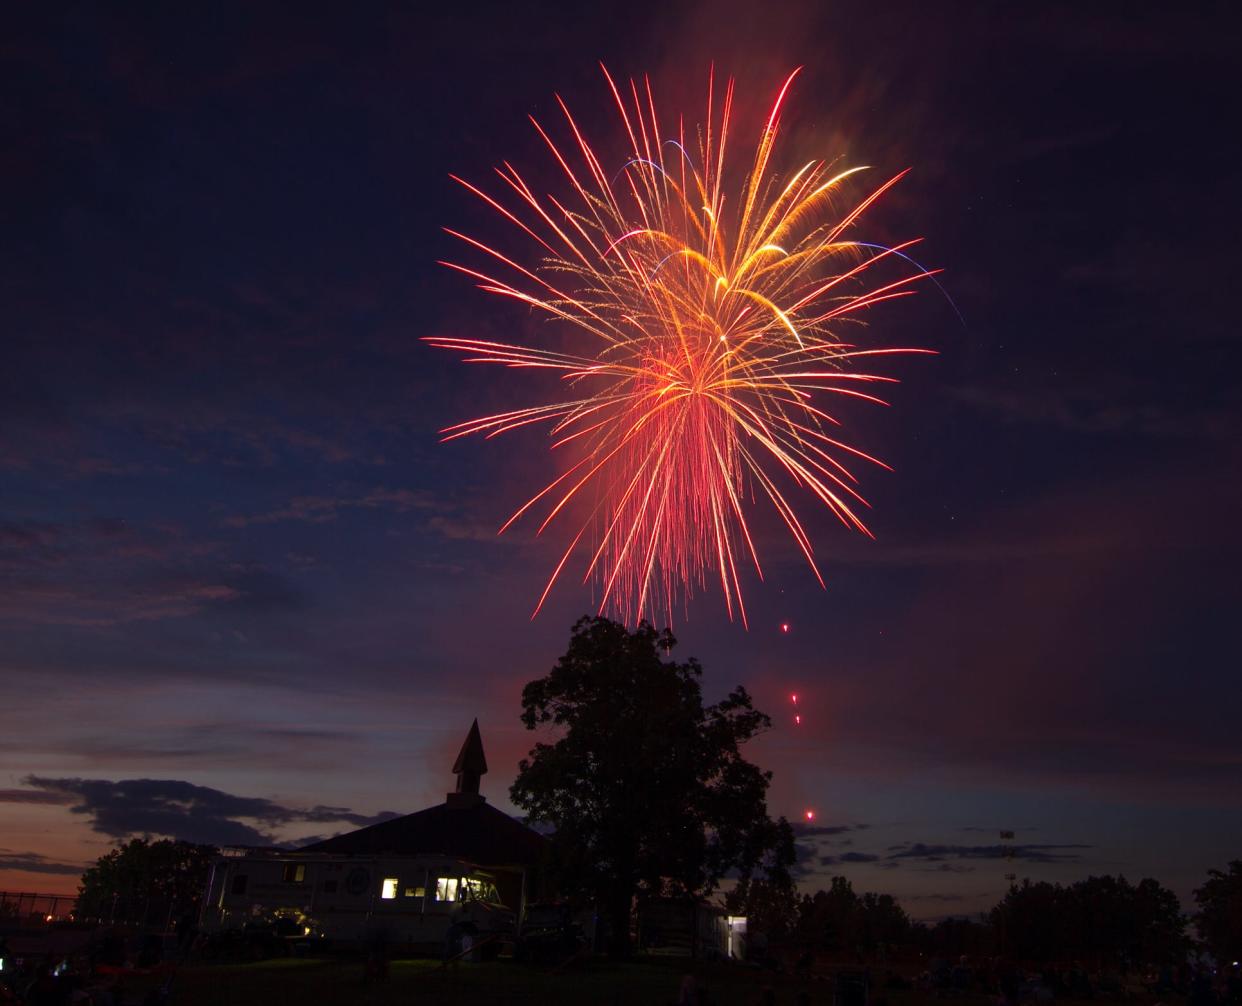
column 709, row 345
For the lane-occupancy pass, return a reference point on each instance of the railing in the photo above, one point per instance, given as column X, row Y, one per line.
column 27, row 910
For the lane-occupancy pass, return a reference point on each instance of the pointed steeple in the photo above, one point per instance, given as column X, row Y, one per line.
column 470, row 766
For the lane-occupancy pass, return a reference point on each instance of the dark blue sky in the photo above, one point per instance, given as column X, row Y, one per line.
column 233, row 554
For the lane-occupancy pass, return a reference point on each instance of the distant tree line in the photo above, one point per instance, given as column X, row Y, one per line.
column 834, row 920
column 647, row 795
column 1103, row 922
column 1102, row 919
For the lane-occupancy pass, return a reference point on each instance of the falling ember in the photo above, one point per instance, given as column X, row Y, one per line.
column 797, row 719
column 711, row 327
column 784, row 626
column 810, row 815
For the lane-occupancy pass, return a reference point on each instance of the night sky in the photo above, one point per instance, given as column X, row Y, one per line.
column 247, row 596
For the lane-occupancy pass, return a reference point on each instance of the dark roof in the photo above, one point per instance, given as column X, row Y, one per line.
column 470, row 759
column 479, row 833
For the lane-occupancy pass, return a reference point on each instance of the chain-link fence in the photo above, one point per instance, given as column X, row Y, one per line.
column 27, row 910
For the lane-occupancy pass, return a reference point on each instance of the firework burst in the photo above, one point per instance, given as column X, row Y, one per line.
column 710, row 347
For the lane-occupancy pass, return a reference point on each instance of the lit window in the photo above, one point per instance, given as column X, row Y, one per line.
column 446, row 888
column 415, row 892
column 389, row 890
column 293, row 873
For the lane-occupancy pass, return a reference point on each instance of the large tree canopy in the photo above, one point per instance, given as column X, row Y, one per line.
column 646, row 787
column 142, row 881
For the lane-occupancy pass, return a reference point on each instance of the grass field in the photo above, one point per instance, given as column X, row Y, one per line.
column 596, row 983
column 335, row 982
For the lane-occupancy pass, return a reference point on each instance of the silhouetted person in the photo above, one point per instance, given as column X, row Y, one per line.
column 152, row 951
column 104, row 995
column 187, row 933
column 1164, row 981
column 111, row 949
column 1233, row 986
column 377, row 960
column 46, row 990
column 1010, row 984
column 1201, row 992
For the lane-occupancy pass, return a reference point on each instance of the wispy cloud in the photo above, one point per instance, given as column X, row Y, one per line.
column 322, row 509
column 35, row 796
column 103, row 571
column 89, row 596
column 33, row 862
column 929, row 853
column 848, row 857
column 805, row 830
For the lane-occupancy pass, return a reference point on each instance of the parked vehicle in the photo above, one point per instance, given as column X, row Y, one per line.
column 549, row 934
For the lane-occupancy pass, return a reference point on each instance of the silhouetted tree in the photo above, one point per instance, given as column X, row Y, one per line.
column 1219, row 919
column 839, row 919
column 831, row 920
column 883, row 921
column 1160, row 935
column 1106, row 920
column 1113, row 922
column 950, row 938
column 141, row 881
column 646, row 787
column 769, row 908
column 1028, row 919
